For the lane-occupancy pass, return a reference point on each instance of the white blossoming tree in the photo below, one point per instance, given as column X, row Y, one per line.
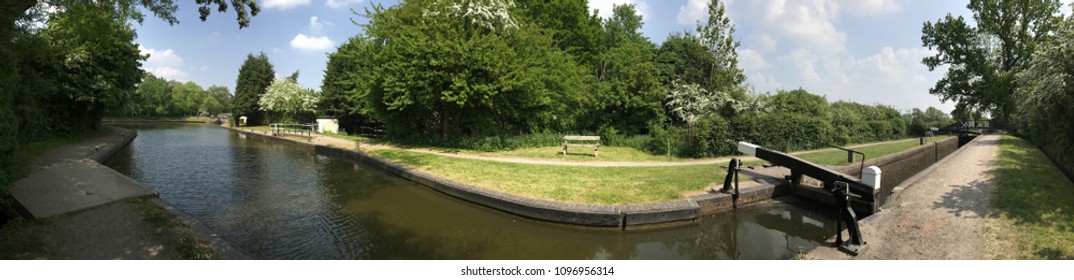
column 286, row 97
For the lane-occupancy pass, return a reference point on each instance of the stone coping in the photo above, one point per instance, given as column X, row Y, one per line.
column 622, row 216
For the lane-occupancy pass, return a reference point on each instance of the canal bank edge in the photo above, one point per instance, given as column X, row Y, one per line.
column 104, row 151
column 622, row 216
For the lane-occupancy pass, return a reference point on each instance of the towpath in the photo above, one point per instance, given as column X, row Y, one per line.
column 940, row 215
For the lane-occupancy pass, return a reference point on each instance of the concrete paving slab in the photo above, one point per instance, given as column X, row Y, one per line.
column 74, row 185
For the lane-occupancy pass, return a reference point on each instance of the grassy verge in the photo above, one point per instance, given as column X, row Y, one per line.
column 839, row 157
column 36, row 239
column 32, row 150
column 576, row 184
column 176, row 233
column 607, row 153
column 1034, row 203
column 21, row 239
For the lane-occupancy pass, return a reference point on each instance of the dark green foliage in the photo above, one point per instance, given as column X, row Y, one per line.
column 442, row 75
column 629, row 92
column 801, row 102
column 1047, row 96
column 682, row 57
column 923, row 121
column 984, row 60
column 573, row 28
column 255, row 75
column 159, row 98
column 858, row 123
column 60, row 80
column 713, row 137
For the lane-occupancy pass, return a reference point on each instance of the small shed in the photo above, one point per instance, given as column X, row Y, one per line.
column 242, row 120
column 327, row 124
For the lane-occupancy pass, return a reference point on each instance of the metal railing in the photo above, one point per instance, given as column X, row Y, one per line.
column 300, row 130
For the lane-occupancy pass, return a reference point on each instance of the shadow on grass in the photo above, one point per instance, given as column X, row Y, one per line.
column 1037, row 198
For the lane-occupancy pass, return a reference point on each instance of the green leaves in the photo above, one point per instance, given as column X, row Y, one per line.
column 983, row 59
column 255, row 75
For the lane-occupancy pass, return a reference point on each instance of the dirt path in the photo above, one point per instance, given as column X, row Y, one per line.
column 940, row 216
column 348, row 144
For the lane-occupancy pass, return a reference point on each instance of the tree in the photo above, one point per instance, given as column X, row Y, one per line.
column 453, row 68
column 1046, row 94
column 573, row 27
column 255, row 75
column 683, row 58
column 630, row 91
column 802, row 102
column 294, row 102
column 717, row 35
column 692, row 103
column 217, row 99
column 100, row 66
column 984, row 59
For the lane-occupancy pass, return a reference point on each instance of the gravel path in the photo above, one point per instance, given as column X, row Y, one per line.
column 940, row 216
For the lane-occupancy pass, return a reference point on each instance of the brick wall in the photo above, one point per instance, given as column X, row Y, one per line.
column 896, row 168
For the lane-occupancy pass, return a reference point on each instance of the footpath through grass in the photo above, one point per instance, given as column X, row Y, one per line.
column 1034, row 203
column 576, row 184
column 839, row 157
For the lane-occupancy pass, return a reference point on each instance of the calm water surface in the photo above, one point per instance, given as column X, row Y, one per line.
column 273, row 201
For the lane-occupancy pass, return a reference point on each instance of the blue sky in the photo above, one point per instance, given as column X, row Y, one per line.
column 865, row 51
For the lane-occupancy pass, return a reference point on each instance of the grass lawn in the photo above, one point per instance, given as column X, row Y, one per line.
column 34, row 149
column 1034, row 203
column 577, row 184
column 607, row 153
column 839, row 157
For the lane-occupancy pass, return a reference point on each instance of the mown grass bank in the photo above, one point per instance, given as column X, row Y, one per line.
column 1034, row 206
column 575, row 184
column 839, row 157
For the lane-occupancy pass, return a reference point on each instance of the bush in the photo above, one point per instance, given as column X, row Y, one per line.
column 712, row 137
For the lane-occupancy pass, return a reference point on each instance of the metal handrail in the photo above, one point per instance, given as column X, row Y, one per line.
column 305, row 130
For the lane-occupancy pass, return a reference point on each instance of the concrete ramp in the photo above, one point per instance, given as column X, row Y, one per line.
column 71, row 186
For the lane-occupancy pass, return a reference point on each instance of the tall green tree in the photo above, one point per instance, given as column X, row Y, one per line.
column 464, row 67
column 717, row 35
column 255, row 75
column 983, row 60
column 101, row 62
column 573, row 26
column 630, row 90
column 218, row 99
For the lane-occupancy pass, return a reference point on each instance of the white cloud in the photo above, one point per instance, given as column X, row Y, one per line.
column 870, row 7
column 284, row 4
column 750, row 59
column 316, row 26
column 762, row 42
column 804, row 63
column 810, row 24
column 763, row 83
column 276, row 50
column 692, row 12
column 164, row 64
column 165, row 57
column 308, row 43
column 604, row 7
column 336, row 4
column 169, row 73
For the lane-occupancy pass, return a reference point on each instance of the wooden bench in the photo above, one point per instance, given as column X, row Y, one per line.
column 568, row 138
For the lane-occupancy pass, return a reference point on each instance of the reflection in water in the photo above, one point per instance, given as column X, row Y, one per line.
column 277, row 202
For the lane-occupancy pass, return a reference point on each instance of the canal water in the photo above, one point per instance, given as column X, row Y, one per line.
column 273, row 201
